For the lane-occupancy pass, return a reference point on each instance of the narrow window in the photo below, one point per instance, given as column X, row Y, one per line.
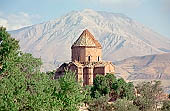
column 98, row 58
column 89, row 58
column 78, row 58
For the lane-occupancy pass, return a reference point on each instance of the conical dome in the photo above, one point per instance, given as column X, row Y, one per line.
column 87, row 39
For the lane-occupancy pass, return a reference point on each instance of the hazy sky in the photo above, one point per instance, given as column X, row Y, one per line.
column 15, row 14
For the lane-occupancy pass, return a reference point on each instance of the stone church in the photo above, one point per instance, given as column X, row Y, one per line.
column 86, row 60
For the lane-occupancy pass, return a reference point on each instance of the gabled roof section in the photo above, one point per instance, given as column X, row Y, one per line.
column 86, row 39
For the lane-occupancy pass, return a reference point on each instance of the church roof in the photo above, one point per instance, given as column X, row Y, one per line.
column 87, row 39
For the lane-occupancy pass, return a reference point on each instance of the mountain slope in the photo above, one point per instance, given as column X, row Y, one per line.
column 146, row 68
column 120, row 36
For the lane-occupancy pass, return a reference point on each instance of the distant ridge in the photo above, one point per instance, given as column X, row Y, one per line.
column 146, row 68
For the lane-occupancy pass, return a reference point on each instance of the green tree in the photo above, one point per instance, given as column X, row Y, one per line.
column 116, row 88
column 123, row 90
column 100, row 104
column 100, row 86
column 9, row 50
column 148, row 95
column 27, row 88
column 110, row 79
column 70, row 94
column 87, row 94
column 51, row 73
column 22, row 85
column 124, row 105
column 166, row 106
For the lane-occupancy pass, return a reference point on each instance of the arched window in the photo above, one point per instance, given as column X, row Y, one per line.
column 89, row 58
column 78, row 58
column 98, row 58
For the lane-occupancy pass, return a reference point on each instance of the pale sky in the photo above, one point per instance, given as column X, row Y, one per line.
column 15, row 14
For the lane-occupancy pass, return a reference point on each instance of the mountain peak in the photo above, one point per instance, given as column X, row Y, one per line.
column 88, row 10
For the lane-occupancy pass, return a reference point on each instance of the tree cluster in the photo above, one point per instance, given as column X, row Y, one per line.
column 107, row 90
column 115, row 88
column 23, row 87
column 111, row 94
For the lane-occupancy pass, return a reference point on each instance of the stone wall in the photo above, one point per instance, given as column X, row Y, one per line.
column 86, row 54
column 94, row 53
column 78, row 53
column 98, row 70
column 109, row 68
column 85, row 76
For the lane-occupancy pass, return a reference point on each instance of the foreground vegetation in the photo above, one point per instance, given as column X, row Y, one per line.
column 24, row 88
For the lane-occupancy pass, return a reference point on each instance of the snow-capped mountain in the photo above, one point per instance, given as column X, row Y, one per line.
column 120, row 36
